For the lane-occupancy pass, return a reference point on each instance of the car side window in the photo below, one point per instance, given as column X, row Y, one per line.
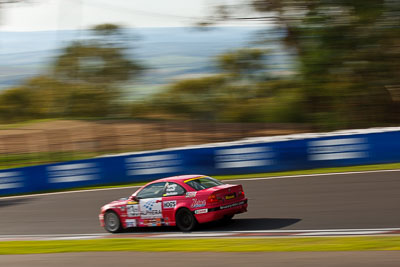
column 151, row 191
column 174, row 189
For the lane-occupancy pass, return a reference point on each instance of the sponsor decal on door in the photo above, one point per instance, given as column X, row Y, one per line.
column 169, row 204
column 150, row 208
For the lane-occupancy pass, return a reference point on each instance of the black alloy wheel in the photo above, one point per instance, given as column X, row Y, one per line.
column 185, row 220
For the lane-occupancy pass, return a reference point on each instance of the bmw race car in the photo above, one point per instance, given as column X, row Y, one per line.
column 182, row 201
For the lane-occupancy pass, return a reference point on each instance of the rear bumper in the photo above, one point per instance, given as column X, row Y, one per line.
column 217, row 213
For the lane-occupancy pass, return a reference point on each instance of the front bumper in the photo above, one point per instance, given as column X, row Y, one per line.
column 101, row 219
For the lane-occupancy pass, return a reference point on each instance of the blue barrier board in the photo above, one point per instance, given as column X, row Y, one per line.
column 255, row 156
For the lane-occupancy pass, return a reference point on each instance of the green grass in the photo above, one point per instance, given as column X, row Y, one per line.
column 205, row 245
column 32, row 159
column 25, row 123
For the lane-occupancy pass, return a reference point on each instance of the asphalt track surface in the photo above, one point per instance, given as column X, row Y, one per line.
column 345, row 201
column 176, row 259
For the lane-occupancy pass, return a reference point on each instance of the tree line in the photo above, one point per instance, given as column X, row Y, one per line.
column 346, row 72
column 83, row 81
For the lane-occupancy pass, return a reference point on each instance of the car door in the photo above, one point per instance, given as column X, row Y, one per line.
column 173, row 195
column 150, row 204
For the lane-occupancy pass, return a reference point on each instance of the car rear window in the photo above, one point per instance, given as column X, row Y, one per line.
column 202, row 183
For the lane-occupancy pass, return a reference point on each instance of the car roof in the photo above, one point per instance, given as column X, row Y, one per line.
column 180, row 178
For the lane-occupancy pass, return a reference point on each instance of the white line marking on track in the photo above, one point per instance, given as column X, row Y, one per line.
column 71, row 192
column 55, row 235
column 342, row 233
column 309, row 175
column 314, row 230
column 229, row 180
column 275, row 233
column 180, row 235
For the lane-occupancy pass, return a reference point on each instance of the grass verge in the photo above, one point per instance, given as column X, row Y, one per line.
column 205, row 245
column 32, row 159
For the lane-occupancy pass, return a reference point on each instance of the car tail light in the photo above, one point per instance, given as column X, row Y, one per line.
column 241, row 193
column 212, row 199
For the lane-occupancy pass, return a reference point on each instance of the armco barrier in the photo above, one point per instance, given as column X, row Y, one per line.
column 291, row 152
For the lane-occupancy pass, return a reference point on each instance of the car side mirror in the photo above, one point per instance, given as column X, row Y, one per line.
column 134, row 198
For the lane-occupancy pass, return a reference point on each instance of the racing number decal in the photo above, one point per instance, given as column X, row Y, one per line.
column 171, row 190
column 171, row 187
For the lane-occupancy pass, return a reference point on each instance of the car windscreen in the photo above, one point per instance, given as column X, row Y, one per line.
column 202, row 183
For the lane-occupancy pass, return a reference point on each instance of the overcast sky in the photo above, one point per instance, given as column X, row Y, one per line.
column 39, row 15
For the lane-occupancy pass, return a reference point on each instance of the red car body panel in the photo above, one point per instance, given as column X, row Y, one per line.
column 229, row 200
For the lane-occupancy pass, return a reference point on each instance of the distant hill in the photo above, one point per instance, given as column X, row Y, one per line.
column 169, row 53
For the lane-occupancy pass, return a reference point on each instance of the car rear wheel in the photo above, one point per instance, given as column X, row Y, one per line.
column 185, row 220
column 112, row 222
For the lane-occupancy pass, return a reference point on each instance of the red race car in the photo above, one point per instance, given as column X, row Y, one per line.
column 183, row 201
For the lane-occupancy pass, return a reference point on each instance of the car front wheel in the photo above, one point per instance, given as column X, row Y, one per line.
column 185, row 220
column 112, row 222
